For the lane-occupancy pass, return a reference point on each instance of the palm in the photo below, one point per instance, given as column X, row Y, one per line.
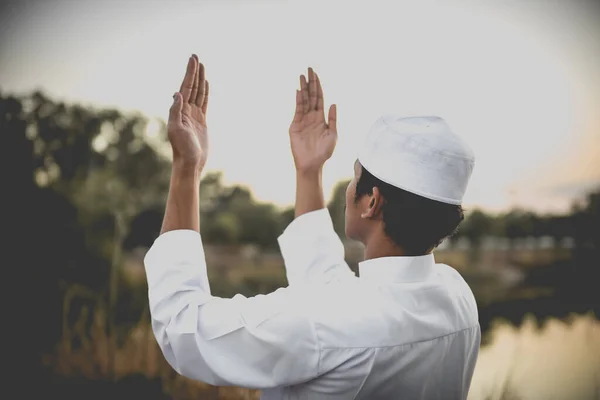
column 311, row 138
column 193, row 122
column 187, row 121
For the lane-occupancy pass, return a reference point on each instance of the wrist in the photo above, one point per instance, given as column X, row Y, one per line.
column 186, row 170
column 313, row 172
column 309, row 191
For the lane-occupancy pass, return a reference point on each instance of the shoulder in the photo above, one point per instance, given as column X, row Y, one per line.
column 460, row 290
column 366, row 314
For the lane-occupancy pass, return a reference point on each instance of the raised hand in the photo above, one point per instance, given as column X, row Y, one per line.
column 311, row 137
column 186, row 128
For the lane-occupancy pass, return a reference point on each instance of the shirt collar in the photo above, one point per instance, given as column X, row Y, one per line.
column 397, row 269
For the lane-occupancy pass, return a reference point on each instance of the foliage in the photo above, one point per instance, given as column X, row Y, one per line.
column 337, row 207
column 87, row 187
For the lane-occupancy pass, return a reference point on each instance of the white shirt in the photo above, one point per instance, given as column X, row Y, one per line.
column 406, row 328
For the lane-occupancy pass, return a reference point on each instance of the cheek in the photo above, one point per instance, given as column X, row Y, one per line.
column 349, row 212
column 350, row 192
column 349, row 197
column 349, row 206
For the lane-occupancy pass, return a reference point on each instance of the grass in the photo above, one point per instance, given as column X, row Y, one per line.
column 132, row 365
column 83, row 355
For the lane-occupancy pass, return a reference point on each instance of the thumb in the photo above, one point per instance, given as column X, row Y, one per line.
column 175, row 111
column 332, row 118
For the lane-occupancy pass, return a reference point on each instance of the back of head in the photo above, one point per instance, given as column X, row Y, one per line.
column 421, row 168
column 414, row 223
column 421, row 155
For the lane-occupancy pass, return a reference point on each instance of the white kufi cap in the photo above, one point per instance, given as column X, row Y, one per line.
column 420, row 155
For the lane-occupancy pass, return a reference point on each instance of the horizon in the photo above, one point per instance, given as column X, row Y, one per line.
column 537, row 67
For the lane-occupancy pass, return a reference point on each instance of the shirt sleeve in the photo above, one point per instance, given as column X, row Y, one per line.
column 259, row 342
column 312, row 251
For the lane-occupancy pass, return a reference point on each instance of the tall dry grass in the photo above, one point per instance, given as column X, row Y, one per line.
column 85, row 350
column 88, row 349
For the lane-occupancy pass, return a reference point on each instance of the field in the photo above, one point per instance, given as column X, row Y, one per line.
column 129, row 363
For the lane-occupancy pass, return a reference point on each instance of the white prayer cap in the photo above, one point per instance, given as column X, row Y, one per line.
column 420, row 155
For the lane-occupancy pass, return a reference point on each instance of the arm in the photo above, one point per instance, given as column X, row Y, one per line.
column 259, row 342
column 183, row 201
column 309, row 192
column 312, row 141
column 188, row 136
column 311, row 249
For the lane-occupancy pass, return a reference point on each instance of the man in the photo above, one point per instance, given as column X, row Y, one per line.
column 406, row 328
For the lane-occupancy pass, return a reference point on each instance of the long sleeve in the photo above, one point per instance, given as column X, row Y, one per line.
column 312, row 250
column 260, row 342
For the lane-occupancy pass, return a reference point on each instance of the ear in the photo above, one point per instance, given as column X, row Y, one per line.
column 374, row 206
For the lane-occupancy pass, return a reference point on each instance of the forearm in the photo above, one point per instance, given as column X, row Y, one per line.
column 311, row 249
column 309, row 191
column 183, row 202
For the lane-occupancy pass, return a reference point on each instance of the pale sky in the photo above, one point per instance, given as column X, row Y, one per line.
column 518, row 80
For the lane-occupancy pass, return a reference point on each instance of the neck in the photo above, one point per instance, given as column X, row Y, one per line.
column 379, row 245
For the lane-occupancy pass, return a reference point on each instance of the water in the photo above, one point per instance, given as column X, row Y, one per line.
column 559, row 360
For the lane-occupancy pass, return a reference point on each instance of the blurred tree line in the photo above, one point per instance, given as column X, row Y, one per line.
column 582, row 224
column 85, row 186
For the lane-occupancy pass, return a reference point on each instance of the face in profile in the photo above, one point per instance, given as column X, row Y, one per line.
column 352, row 210
column 362, row 215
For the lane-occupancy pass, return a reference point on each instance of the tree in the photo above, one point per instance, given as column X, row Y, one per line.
column 476, row 225
column 586, row 222
column 286, row 217
column 66, row 192
column 337, row 207
column 517, row 224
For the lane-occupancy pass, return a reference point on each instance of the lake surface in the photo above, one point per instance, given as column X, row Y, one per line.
column 555, row 361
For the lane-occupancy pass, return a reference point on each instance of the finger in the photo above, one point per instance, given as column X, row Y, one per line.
column 195, row 86
column 188, row 81
column 312, row 89
column 299, row 107
column 319, row 93
column 205, row 101
column 304, row 91
column 175, row 110
column 200, row 97
column 332, row 119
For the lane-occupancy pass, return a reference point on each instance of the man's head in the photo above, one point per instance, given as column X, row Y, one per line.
column 409, row 181
column 413, row 223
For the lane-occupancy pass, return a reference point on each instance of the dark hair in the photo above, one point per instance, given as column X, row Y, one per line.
column 414, row 223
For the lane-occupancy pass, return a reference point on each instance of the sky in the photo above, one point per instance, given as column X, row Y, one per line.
column 518, row 80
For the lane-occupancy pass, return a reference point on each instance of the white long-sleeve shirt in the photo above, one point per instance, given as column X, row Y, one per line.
column 406, row 328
